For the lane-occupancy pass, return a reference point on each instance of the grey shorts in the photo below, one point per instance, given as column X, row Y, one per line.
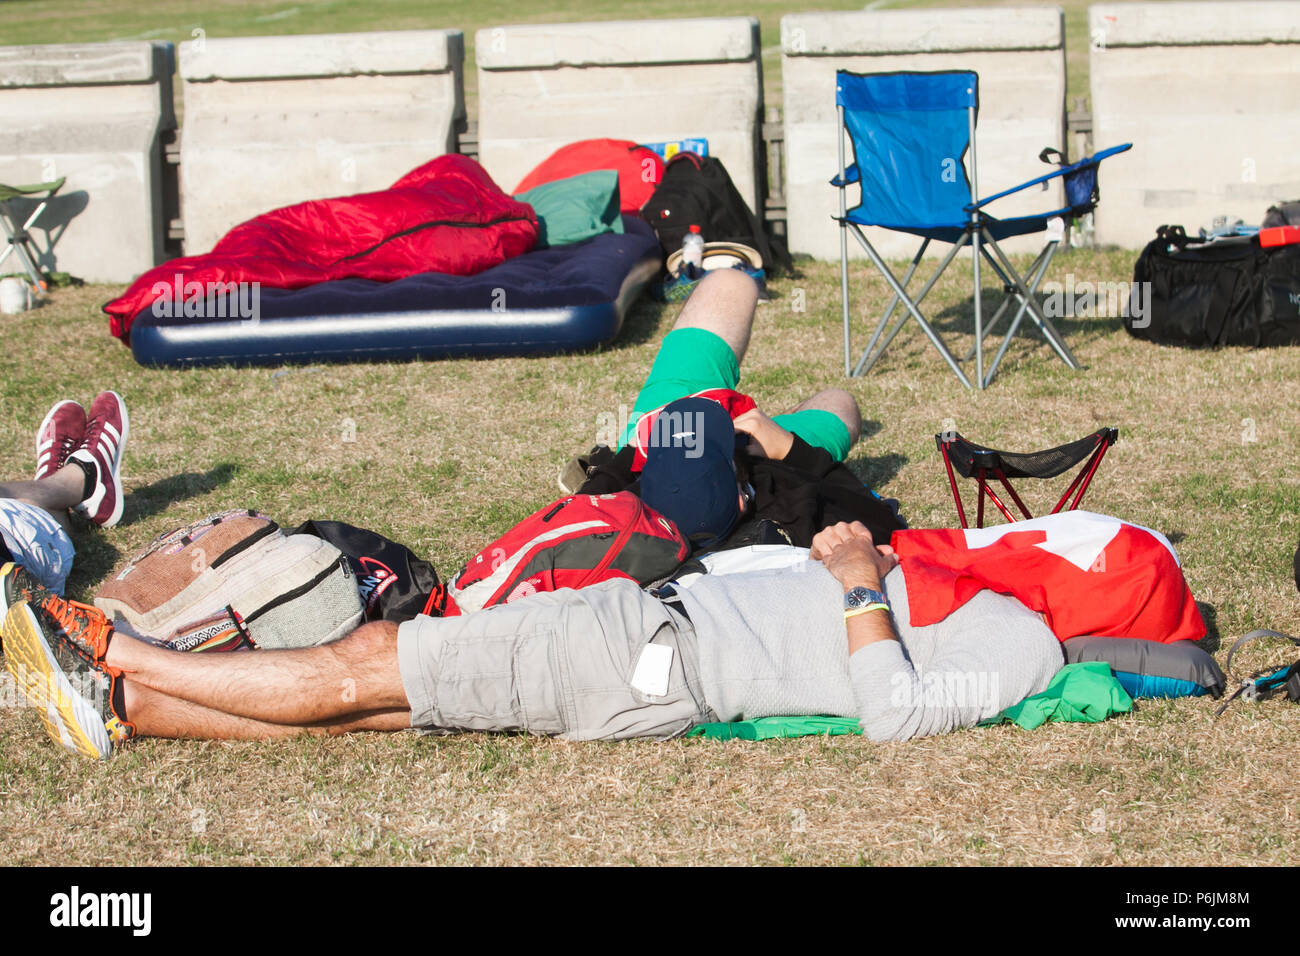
column 559, row 663
column 37, row 541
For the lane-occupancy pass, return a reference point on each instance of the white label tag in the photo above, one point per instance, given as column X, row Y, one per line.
column 652, row 667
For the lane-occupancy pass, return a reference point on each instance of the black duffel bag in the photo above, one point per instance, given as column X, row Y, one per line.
column 1226, row 292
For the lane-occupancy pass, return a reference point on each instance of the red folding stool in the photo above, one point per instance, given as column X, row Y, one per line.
column 982, row 464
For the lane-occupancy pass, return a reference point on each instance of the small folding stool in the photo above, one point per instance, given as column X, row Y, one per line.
column 982, row 464
column 20, row 241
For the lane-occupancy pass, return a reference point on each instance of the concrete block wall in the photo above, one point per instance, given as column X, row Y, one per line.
column 1019, row 54
column 271, row 121
column 1209, row 93
column 543, row 86
column 94, row 113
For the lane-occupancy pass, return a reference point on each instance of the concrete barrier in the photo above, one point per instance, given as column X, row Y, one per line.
column 541, row 87
column 94, row 113
column 1207, row 94
column 271, row 121
column 1019, row 54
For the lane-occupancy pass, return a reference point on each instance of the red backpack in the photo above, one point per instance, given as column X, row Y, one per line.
column 571, row 543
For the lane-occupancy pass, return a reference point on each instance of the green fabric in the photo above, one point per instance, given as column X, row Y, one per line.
column 36, row 189
column 576, row 208
column 764, row 728
column 1081, row 693
column 691, row 360
column 1085, row 693
column 819, row 428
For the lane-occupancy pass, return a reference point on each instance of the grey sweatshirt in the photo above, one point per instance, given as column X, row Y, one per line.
column 774, row 643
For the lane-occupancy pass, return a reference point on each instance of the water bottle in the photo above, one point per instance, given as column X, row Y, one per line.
column 693, row 249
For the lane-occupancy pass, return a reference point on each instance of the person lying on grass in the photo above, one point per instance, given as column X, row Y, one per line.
column 826, row 635
column 699, row 361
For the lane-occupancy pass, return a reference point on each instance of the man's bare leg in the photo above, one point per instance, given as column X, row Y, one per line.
column 343, row 680
column 55, row 494
column 155, row 714
column 723, row 303
column 840, row 404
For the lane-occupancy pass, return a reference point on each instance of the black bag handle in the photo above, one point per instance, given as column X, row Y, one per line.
column 1174, row 236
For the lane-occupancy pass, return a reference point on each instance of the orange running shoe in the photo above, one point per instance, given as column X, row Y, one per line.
column 55, row 651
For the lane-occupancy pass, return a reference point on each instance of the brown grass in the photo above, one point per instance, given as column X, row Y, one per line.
column 447, row 454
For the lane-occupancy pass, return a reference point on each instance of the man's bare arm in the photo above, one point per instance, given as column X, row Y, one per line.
column 855, row 560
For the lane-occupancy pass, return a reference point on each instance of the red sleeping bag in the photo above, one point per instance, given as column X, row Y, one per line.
column 639, row 168
column 445, row 216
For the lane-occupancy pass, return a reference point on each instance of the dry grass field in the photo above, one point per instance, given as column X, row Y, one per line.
column 447, row 454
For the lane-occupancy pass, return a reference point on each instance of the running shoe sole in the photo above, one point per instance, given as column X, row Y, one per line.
column 70, row 719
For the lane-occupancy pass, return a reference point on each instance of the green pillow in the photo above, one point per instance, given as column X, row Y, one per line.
column 575, row 208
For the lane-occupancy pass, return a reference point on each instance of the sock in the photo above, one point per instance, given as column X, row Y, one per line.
column 91, row 471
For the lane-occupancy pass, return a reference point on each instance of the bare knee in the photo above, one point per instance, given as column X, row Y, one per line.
column 840, row 404
column 370, row 642
column 365, row 664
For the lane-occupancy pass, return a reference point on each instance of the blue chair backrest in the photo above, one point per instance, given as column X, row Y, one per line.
column 910, row 133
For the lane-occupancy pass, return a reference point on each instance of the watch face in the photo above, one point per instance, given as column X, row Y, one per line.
column 861, row 597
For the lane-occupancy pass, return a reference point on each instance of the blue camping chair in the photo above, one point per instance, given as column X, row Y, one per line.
column 910, row 134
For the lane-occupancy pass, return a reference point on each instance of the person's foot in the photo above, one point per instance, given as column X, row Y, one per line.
column 17, row 584
column 106, row 434
column 61, row 432
column 55, row 652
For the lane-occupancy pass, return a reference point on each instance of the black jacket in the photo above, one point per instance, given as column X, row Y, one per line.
column 801, row 493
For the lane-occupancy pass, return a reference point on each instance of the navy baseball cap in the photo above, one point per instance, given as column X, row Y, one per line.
column 690, row 472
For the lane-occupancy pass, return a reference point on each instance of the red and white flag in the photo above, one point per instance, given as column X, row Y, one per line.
column 1086, row 573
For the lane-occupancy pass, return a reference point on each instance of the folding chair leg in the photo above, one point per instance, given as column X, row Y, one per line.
column 1037, row 271
column 844, row 286
column 1002, row 309
column 1027, row 304
column 893, row 303
column 17, row 246
column 869, row 358
column 911, row 306
column 979, row 318
column 1049, row 331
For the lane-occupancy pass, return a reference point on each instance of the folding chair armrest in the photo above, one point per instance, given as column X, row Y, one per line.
column 851, row 175
column 971, row 207
column 1093, row 160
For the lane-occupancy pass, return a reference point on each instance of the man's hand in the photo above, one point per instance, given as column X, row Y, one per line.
column 767, row 438
column 851, row 556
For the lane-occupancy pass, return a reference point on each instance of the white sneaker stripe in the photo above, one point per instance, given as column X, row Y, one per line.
column 108, row 427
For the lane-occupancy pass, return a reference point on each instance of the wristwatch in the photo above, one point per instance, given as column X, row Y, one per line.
column 858, row 600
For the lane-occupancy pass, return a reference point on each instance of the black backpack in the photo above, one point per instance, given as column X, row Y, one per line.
column 393, row 583
column 1226, row 292
column 697, row 190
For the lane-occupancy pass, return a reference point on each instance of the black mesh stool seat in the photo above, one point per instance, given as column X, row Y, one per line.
column 979, row 462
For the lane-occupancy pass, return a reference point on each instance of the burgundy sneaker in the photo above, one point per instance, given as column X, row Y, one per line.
column 106, row 434
column 62, row 431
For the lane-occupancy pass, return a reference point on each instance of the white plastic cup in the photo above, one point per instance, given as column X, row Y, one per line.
column 15, row 295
